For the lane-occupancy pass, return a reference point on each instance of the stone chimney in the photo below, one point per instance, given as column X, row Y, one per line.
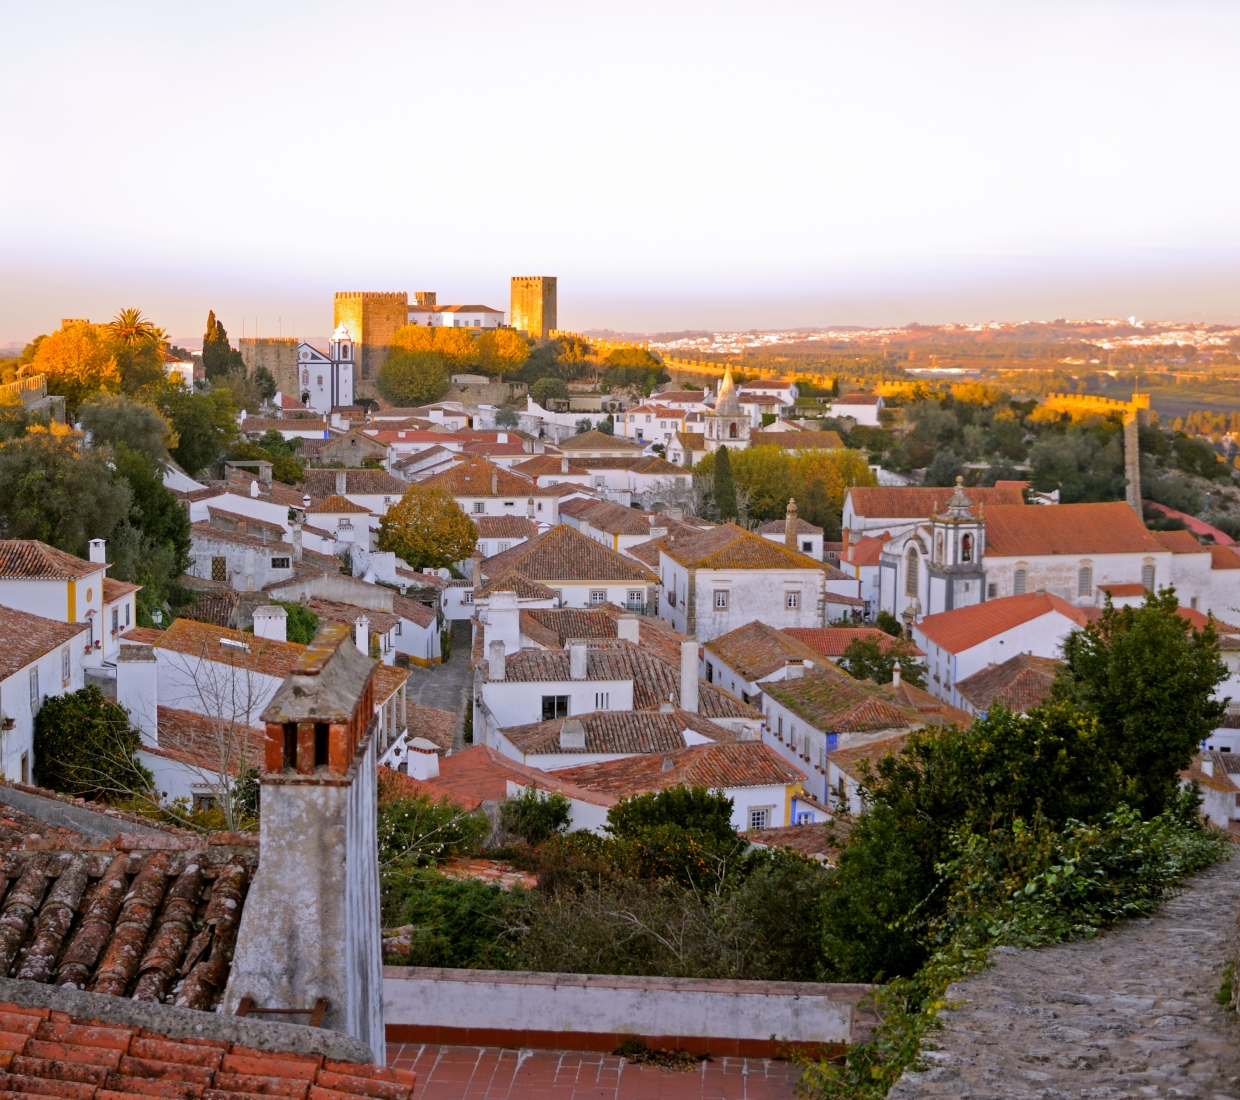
column 794, row 670
column 310, row 928
column 628, row 629
column 271, row 621
column 495, row 661
column 689, row 675
column 476, row 575
column 572, row 734
column 296, row 529
column 494, row 481
column 578, row 655
column 422, row 759
column 790, row 525
column 361, row 635
column 563, row 464
column 503, row 622
column 136, row 689
column 342, row 482
column 98, row 551
column 846, row 535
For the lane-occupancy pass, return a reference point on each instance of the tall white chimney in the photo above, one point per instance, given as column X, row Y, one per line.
column 253, row 488
column 342, row 482
column 578, row 654
column 895, row 675
column 628, row 629
column 297, row 545
column 98, row 551
column 689, row 675
column 361, row 634
column 503, row 622
column 271, row 621
column 495, row 661
column 136, row 689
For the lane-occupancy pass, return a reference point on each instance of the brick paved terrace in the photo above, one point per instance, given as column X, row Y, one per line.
column 495, row 1073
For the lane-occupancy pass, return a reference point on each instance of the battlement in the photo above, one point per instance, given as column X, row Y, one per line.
column 374, row 295
column 1083, row 403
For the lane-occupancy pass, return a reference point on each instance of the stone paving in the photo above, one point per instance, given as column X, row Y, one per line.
column 1130, row 1013
column 494, row 1073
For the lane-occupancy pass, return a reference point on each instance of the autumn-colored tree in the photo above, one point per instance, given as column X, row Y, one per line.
column 457, row 346
column 427, row 529
column 77, row 362
column 501, row 350
column 411, row 378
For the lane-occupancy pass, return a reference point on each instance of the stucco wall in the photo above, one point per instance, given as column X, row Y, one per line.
column 15, row 703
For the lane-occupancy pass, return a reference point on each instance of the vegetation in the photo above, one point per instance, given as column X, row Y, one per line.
column 535, row 816
column 427, row 528
column 303, row 624
column 864, row 659
column 549, row 389
column 77, row 362
column 286, row 464
column 413, row 377
column 218, row 357
column 84, row 746
column 723, row 488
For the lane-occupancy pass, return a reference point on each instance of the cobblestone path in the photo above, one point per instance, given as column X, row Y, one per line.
column 1130, row 1013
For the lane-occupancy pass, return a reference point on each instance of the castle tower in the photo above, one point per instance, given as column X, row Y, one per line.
column 311, row 924
column 727, row 424
column 533, row 305
column 955, row 574
column 372, row 317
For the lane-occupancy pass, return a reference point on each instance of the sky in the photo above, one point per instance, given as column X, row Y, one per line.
column 676, row 165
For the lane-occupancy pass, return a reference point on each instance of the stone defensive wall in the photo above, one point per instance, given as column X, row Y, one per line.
column 1080, row 404
column 26, row 390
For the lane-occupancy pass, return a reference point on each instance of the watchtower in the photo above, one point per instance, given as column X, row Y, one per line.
column 533, row 305
column 372, row 318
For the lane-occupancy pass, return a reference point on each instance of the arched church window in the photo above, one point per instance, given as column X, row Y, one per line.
column 1147, row 576
column 1085, row 581
column 1020, row 580
column 966, row 548
column 910, row 572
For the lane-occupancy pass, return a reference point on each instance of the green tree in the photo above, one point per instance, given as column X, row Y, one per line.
column 683, row 834
column 137, row 345
column 944, row 470
column 1148, row 678
column 112, row 419
column 501, row 350
column 865, row 659
column 535, row 815
column 549, row 388
column 51, row 492
column 303, row 624
column 85, row 746
column 204, row 423
column 427, row 528
column 506, row 418
column 889, row 624
column 265, row 383
column 411, row 378
column 724, row 487
column 218, row 356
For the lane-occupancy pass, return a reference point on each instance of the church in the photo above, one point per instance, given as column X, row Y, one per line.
column 325, row 381
column 727, row 424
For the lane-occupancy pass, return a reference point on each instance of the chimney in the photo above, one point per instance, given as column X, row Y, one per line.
column 342, row 482
column 296, row 529
column 628, row 629
column 305, row 502
column 895, row 675
column 503, row 622
column 361, row 634
column 572, row 734
column 563, row 464
column 846, row 535
column 136, row 689
column 495, row 661
column 578, row 653
column 494, row 481
column 422, row 759
column 253, row 489
column 689, row 674
column 311, row 924
column 501, row 437
column 98, row 551
column 476, row 575
column 790, row 525
column 271, row 621
column 794, row 670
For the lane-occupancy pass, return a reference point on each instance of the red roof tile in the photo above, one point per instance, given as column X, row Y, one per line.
column 1019, row 683
column 25, row 638
column 831, row 641
column 1026, row 531
column 565, row 554
column 716, row 766
column 956, row 631
column 918, row 502
column 756, row 650
column 31, row 560
column 731, row 547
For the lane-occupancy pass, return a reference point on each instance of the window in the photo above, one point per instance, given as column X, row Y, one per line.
column 637, row 599
column 510, row 504
column 64, row 664
column 290, row 745
column 116, row 620
column 598, row 597
column 807, row 547
column 219, row 569
column 127, row 606
column 910, row 572
column 501, row 547
column 34, row 689
column 792, row 600
column 731, row 431
column 1020, row 579
column 758, row 818
column 780, row 730
column 1147, row 576
column 992, row 590
column 25, row 767
column 479, row 507
column 602, row 700
column 554, row 706
column 805, row 817
column 321, row 731
column 281, row 563
column 1193, row 603
column 710, row 673
column 1085, row 581
column 966, row 548
column 721, row 599
column 469, row 597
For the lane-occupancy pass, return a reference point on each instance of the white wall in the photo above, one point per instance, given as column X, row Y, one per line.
column 64, row 601
column 209, row 687
column 752, row 594
column 517, row 703
column 15, row 702
column 1057, row 573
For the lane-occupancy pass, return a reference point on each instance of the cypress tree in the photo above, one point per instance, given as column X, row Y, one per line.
column 218, row 357
column 725, row 487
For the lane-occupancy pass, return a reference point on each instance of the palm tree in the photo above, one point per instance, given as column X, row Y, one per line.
column 130, row 327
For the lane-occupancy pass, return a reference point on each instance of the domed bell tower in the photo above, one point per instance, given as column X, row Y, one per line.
column 956, row 576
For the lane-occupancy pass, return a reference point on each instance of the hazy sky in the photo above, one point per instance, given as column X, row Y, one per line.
column 677, row 165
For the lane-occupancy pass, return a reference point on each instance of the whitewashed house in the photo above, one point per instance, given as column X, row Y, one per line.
column 861, row 407
column 41, row 580
column 483, row 489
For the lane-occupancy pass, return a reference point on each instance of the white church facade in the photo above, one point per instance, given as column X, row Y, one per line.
column 326, row 380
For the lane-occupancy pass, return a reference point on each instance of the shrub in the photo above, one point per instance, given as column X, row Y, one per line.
column 535, row 815
column 85, row 746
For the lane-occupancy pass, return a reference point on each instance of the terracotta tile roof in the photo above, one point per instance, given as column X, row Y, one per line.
column 648, row 552
column 504, row 527
column 683, row 396
column 715, row 766
column 932, row 711
column 206, row 531
column 519, row 583
column 634, row 731
column 564, row 554
column 275, row 493
column 1195, row 525
column 655, row 681
column 1218, row 781
column 548, row 466
column 598, row 441
column 608, row 462
column 1107, row 528
column 114, row 590
column 347, row 614
column 607, row 516
column 387, row 681
column 798, row 441
column 476, row 477
column 336, row 505
column 956, row 631
column 553, row 627
column 918, row 502
column 47, row 1053
column 209, row 744
column 1199, row 620
column 1019, row 683
column 261, row 655
column 833, row 702
column 730, row 547
column 831, row 641
column 257, row 425
column 1224, row 557
column 857, row 399
column 482, row 774
column 779, row 526
column 849, row 760
column 394, row 784
column 413, row 610
column 437, row 726
column 654, row 466
column 818, row 841
column 1180, row 542
column 141, row 635
column 756, row 650
column 31, row 560
column 864, row 551
column 1123, row 589
column 360, row 482
column 25, row 638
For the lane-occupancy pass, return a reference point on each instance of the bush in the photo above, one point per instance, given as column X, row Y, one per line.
column 303, row 624
column 535, row 815
column 546, row 389
column 455, row 923
column 84, row 746
column 864, row 659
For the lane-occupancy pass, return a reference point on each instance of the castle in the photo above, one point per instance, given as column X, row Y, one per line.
column 534, row 305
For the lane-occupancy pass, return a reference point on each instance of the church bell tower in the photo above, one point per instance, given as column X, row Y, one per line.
column 956, row 577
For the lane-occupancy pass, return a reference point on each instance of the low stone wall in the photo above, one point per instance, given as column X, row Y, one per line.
column 598, row 1012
